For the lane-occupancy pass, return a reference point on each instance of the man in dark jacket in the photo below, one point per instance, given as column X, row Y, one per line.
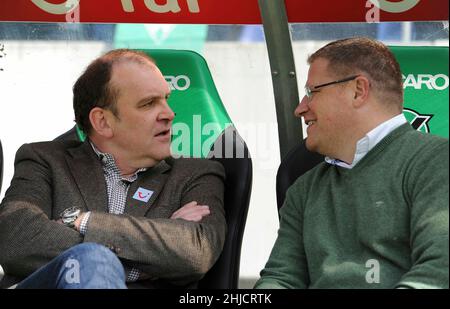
column 116, row 210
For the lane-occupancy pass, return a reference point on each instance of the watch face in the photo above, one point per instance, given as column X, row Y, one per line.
column 70, row 212
column 68, row 221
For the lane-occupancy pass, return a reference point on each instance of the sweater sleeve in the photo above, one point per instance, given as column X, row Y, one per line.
column 427, row 192
column 287, row 265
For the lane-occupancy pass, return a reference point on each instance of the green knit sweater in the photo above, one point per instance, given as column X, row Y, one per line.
column 382, row 224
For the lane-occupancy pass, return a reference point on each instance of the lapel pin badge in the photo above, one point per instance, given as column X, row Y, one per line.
column 142, row 194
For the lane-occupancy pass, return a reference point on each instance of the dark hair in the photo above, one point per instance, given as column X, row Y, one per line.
column 354, row 55
column 93, row 89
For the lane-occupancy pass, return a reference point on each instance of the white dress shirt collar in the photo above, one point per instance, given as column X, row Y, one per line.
column 365, row 144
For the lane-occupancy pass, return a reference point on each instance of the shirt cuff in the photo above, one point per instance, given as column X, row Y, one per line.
column 84, row 223
column 133, row 275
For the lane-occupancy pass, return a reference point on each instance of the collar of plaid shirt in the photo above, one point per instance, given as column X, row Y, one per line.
column 110, row 167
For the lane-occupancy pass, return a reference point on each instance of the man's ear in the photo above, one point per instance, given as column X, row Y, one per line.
column 101, row 121
column 361, row 91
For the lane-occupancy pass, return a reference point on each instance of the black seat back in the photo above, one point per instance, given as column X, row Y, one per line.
column 297, row 161
column 231, row 150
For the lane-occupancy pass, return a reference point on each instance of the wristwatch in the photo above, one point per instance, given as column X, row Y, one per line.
column 69, row 216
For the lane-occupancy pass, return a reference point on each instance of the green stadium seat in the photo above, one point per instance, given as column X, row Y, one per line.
column 202, row 128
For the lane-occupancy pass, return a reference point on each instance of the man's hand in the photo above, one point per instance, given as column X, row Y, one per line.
column 191, row 212
column 77, row 222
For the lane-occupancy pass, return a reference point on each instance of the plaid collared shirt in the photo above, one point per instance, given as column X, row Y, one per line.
column 117, row 188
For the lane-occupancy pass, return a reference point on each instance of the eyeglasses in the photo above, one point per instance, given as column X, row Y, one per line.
column 309, row 91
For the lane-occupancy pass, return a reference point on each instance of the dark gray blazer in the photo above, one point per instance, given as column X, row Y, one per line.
column 52, row 176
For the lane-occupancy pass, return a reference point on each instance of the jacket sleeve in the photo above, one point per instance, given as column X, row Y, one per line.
column 28, row 237
column 427, row 189
column 177, row 250
column 287, row 265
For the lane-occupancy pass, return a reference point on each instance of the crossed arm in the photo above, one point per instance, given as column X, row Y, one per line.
column 180, row 248
column 192, row 211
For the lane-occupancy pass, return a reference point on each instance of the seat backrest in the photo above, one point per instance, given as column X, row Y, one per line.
column 297, row 161
column 231, row 150
column 425, row 71
column 202, row 128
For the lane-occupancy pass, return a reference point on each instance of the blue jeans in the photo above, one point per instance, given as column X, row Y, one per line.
column 84, row 266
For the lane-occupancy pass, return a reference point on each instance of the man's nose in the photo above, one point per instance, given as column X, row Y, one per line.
column 302, row 107
column 167, row 113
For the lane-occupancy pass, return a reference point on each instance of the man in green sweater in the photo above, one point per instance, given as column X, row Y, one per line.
column 375, row 214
